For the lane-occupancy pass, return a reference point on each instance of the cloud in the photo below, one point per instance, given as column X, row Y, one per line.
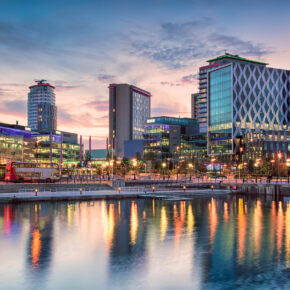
column 100, row 106
column 182, row 44
column 106, row 78
column 236, row 45
column 171, row 84
column 189, row 79
column 14, row 107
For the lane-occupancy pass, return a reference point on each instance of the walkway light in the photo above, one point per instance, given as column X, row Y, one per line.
column 81, row 190
column 163, row 164
column 153, row 188
column 184, row 188
column 35, row 191
column 212, row 187
column 119, row 189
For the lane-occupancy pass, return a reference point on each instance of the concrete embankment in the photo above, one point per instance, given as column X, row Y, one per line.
column 52, row 187
column 256, row 188
column 78, row 195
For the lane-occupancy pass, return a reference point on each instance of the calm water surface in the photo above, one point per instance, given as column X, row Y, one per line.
column 203, row 243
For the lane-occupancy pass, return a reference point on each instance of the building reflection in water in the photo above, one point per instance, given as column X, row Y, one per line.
column 219, row 238
column 163, row 223
column 134, row 222
column 242, row 230
column 213, row 219
column 40, row 237
column 179, row 221
column 190, row 220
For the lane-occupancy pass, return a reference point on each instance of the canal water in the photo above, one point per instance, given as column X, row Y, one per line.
column 202, row 243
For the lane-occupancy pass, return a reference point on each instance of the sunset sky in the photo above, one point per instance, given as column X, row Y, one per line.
column 80, row 46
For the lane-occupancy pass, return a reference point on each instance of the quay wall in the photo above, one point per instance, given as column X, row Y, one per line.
column 53, row 187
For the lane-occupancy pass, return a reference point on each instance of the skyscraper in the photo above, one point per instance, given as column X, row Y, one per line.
column 129, row 108
column 244, row 97
column 41, row 109
column 194, row 105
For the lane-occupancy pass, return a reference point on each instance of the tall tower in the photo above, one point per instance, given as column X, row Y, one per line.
column 41, row 109
column 129, row 108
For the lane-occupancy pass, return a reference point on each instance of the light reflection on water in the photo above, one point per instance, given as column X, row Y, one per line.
column 212, row 243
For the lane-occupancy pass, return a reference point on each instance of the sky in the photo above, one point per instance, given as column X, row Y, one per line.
column 81, row 46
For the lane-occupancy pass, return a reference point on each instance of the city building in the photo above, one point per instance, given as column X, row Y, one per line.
column 169, row 137
column 19, row 143
column 246, row 96
column 16, row 143
column 194, row 105
column 41, row 108
column 60, row 147
column 199, row 106
column 129, row 108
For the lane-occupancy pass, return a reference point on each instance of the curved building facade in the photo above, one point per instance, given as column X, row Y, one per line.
column 41, row 109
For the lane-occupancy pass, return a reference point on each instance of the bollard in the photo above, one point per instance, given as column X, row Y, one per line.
column 184, row 188
column 35, row 191
column 81, row 190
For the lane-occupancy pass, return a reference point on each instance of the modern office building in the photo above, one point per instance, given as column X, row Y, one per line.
column 199, row 103
column 169, row 137
column 60, row 147
column 246, row 96
column 41, row 109
column 16, row 143
column 194, row 105
column 129, row 108
column 19, row 143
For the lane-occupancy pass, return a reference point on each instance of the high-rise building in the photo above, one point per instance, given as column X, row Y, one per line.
column 129, row 108
column 41, row 109
column 246, row 96
column 194, row 105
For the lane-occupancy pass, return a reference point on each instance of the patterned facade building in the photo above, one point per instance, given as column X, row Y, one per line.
column 245, row 97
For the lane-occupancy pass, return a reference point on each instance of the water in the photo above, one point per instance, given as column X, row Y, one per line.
column 203, row 243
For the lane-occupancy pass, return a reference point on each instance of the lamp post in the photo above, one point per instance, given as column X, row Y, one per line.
column 279, row 158
column 288, row 166
column 190, row 166
column 134, row 163
column 213, row 165
column 163, row 169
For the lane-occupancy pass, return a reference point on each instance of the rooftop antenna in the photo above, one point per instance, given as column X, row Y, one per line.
column 39, row 82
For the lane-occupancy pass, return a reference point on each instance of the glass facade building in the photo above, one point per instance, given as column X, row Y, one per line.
column 41, row 109
column 18, row 143
column 140, row 114
column 169, row 137
column 248, row 97
column 220, row 111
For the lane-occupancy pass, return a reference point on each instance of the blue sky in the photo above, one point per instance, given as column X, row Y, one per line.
column 82, row 46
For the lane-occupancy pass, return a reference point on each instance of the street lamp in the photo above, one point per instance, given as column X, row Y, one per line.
column 213, row 167
column 279, row 158
column 288, row 166
column 190, row 166
column 256, row 165
column 134, row 163
column 163, row 167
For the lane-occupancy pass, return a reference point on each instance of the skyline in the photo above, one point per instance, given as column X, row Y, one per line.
column 81, row 47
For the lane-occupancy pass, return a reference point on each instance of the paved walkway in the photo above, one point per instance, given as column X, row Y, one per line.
column 104, row 194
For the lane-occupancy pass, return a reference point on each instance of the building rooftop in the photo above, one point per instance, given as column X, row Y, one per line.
column 227, row 55
column 170, row 120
